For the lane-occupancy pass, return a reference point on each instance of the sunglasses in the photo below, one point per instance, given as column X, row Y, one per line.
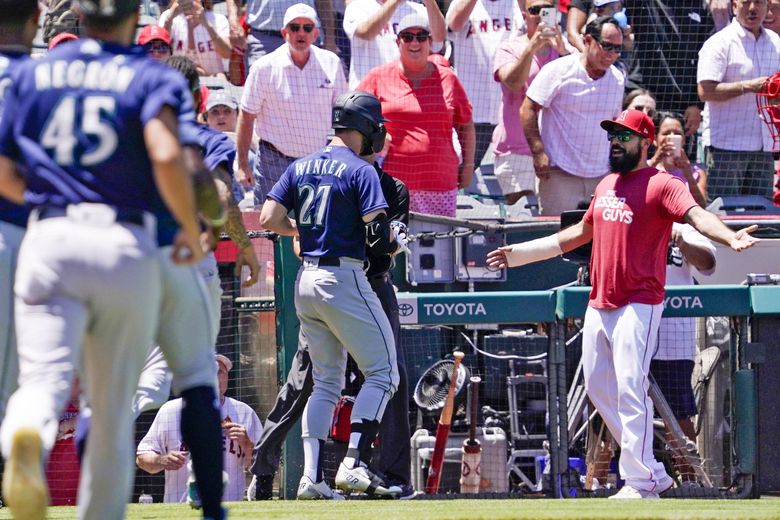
column 157, row 47
column 421, row 36
column 536, row 9
column 295, row 27
column 610, row 47
column 623, row 136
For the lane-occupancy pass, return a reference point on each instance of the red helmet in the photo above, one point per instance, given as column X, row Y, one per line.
column 768, row 103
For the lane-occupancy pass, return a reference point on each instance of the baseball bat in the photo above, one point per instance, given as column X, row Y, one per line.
column 443, row 431
column 470, row 471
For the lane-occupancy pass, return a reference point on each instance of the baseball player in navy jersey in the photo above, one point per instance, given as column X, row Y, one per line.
column 95, row 124
column 17, row 30
column 339, row 208
column 628, row 272
column 394, row 434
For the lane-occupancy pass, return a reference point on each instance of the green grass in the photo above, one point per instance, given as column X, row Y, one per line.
column 584, row 509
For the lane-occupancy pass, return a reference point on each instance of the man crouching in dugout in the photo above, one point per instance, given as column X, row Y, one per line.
column 629, row 220
column 339, row 208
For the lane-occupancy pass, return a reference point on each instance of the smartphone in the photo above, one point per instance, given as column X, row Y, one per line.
column 549, row 17
column 676, row 142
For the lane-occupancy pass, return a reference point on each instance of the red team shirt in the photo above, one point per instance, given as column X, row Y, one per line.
column 632, row 218
column 421, row 122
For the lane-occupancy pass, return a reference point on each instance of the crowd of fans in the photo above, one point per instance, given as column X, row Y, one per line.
column 479, row 101
column 461, row 78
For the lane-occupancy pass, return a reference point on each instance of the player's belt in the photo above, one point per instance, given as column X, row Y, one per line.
column 123, row 215
column 328, row 261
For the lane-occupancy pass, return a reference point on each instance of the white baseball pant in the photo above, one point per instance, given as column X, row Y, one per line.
column 617, row 346
column 86, row 288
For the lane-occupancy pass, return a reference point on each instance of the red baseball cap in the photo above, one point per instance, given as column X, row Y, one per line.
column 634, row 120
column 153, row 32
column 61, row 38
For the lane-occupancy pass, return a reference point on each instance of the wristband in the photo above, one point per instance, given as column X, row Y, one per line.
column 533, row 251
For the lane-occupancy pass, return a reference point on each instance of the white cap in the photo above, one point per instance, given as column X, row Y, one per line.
column 413, row 20
column 602, row 3
column 300, row 11
column 220, row 97
column 225, row 361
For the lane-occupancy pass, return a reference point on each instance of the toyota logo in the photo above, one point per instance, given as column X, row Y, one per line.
column 405, row 309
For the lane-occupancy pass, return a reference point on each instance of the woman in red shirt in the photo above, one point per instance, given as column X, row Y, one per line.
column 424, row 103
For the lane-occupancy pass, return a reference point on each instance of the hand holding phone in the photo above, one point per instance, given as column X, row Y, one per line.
column 549, row 17
column 676, row 142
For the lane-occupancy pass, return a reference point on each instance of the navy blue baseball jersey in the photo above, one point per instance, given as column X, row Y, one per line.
column 10, row 61
column 330, row 191
column 78, row 120
column 217, row 148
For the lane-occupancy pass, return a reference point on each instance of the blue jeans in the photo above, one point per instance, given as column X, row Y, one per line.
column 270, row 164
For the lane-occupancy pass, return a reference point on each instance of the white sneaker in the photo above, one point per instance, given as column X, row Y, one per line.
column 308, row 490
column 665, row 484
column 24, row 485
column 362, row 480
column 631, row 493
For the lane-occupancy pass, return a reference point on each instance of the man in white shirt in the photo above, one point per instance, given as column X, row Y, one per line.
column 199, row 33
column 371, row 26
column 733, row 64
column 573, row 94
column 288, row 97
column 162, row 448
column 478, row 28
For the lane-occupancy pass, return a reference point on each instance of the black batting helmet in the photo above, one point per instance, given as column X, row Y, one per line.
column 362, row 112
column 107, row 9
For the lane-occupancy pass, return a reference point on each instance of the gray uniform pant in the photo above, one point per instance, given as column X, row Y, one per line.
column 339, row 313
column 394, row 432
column 10, row 239
column 87, row 289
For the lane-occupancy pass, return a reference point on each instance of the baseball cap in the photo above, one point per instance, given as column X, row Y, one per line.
column 221, row 97
column 153, row 32
column 602, row 3
column 631, row 119
column 300, row 11
column 61, row 38
column 413, row 20
column 225, row 361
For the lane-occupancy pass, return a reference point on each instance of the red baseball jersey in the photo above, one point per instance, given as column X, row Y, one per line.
column 632, row 218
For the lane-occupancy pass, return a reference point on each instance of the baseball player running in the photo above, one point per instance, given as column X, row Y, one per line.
column 95, row 124
column 17, row 30
column 394, row 434
column 339, row 208
column 628, row 272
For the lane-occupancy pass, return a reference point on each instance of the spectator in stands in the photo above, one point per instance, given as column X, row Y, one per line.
column 162, row 448
column 582, row 12
column 733, row 64
column 477, row 28
column 200, row 34
column 673, row 361
column 424, row 103
column 641, row 99
column 288, row 97
column 671, row 157
column 265, row 19
column 574, row 94
column 156, row 41
column 372, row 27
column 221, row 111
column 517, row 62
column 772, row 20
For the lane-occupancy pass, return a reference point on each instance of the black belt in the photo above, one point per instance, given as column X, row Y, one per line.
column 329, row 261
column 123, row 215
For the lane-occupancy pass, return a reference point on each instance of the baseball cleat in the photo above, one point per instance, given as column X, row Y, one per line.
column 24, row 484
column 631, row 493
column 308, row 490
column 361, row 479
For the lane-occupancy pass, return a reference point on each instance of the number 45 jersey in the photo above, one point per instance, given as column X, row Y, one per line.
column 330, row 191
column 75, row 119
